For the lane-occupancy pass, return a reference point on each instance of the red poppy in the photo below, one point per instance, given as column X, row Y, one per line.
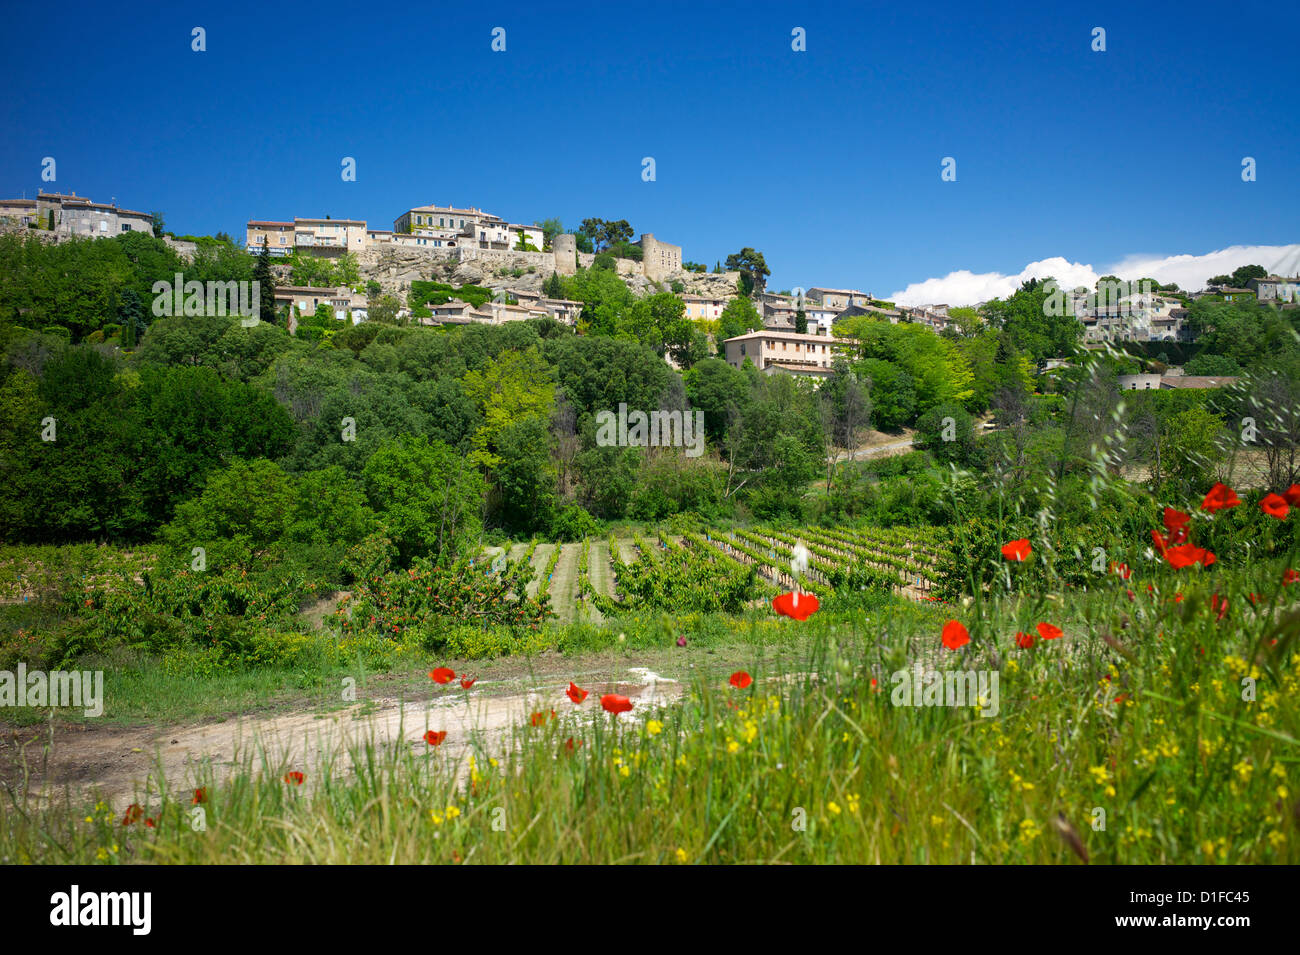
column 785, row 605
column 1185, row 555
column 613, row 703
column 1178, row 598
column 442, row 675
column 681, row 641
column 1024, row 640
column 576, row 693
column 294, row 777
column 740, row 679
column 1160, row 543
column 1121, row 698
column 1017, row 550
column 1219, row 604
column 1292, row 495
column 539, row 718
column 1220, row 497
column 1049, row 632
column 435, row 738
column 150, row 823
column 467, row 681
column 200, row 795
column 133, row 813
column 1290, row 577
column 1124, row 571
column 1176, row 525
column 568, row 744
column 1275, row 505
column 955, row 635
column 1131, row 595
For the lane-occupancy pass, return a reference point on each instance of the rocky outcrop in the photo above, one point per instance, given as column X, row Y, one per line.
column 396, row 267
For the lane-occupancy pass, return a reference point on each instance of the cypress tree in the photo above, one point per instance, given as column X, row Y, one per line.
column 266, row 285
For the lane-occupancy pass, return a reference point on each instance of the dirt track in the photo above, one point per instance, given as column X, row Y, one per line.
column 130, row 764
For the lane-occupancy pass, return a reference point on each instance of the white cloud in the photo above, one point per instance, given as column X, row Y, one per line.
column 1189, row 271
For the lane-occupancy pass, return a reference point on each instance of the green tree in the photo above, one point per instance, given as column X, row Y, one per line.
column 428, row 497
column 239, row 518
column 550, row 229
column 892, row 391
column 738, row 317
column 947, row 431
column 1206, row 363
column 131, row 316
column 1244, row 274
column 525, row 475
column 752, row 267
column 265, row 280
column 509, row 388
column 553, row 287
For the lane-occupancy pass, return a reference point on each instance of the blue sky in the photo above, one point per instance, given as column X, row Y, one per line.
column 828, row 160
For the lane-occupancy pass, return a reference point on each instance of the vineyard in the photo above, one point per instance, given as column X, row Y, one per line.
column 712, row 569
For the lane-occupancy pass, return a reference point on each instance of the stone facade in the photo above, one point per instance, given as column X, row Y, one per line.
column 659, row 260
column 76, row 215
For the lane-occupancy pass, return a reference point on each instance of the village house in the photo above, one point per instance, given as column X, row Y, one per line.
column 790, row 352
column 837, row 298
column 703, row 306
column 563, row 310
column 73, row 215
column 1274, row 288
column 304, row 300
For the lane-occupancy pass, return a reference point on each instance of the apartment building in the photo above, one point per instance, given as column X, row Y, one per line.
column 773, row 351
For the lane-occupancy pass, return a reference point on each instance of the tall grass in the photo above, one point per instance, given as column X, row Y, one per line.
column 1132, row 739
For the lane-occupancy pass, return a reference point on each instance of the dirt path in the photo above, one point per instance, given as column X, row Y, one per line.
column 132, row 764
column 601, row 575
column 626, row 549
column 540, row 558
column 564, row 584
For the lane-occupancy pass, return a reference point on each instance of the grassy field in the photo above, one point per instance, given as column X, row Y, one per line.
column 1156, row 729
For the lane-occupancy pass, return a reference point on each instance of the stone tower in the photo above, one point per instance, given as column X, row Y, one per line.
column 565, row 249
column 659, row 259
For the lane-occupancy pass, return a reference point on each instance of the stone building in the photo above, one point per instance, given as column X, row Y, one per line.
column 659, row 260
column 75, row 215
column 790, row 352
